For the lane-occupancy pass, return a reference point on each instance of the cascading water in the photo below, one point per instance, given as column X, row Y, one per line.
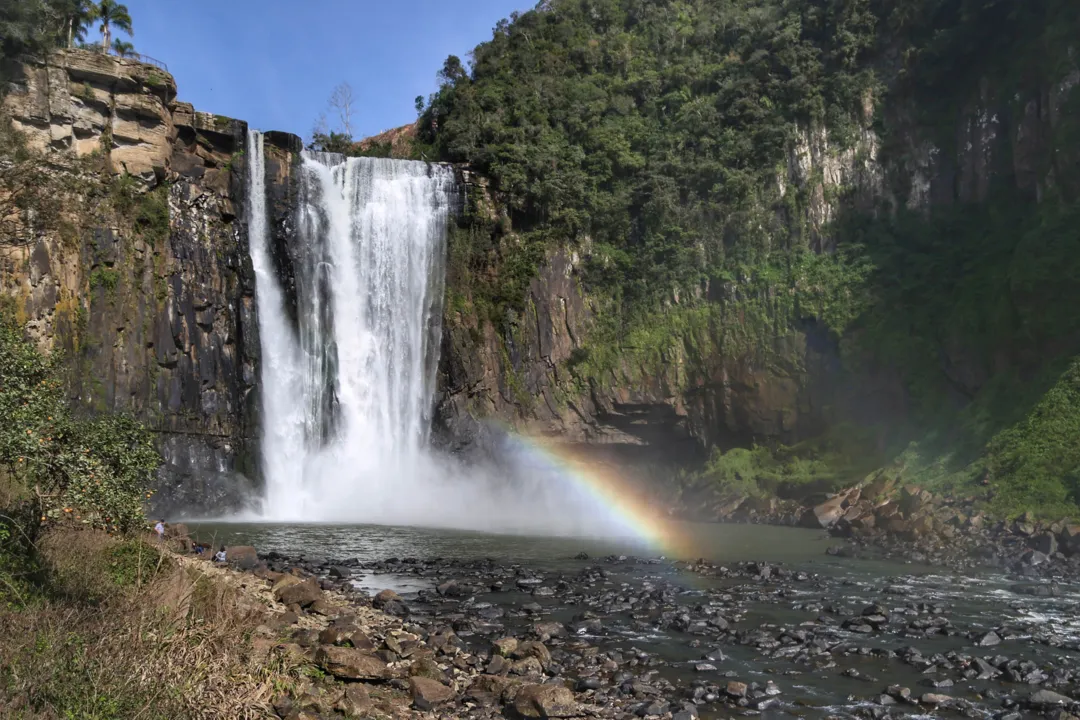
column 347, row 392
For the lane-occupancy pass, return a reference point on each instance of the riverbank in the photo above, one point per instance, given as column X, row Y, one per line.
column 624, row 637
column 883, row 518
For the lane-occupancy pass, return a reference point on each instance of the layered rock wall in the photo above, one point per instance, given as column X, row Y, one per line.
column 144, row 280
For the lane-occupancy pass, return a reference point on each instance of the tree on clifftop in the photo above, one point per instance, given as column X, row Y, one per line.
column 121, row 48
column 112, row 14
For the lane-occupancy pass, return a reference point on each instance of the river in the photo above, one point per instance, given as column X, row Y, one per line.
column 792, row 618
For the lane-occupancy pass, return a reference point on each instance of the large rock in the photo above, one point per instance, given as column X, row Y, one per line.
column 390, row 603
column 532, row 649
column 545, row 701
column 243, row 557
column 350, row 663
column 427, row 693
column 913, row 499
column 1046, row 699
column 824, row 515
column 303, row 593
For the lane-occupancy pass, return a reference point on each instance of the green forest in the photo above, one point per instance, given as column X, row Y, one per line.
column 649, row 136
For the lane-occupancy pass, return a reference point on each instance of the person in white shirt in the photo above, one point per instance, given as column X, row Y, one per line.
column 220, row 556
column 160, row 529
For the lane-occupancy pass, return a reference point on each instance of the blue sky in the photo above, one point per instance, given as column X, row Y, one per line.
column 275, row 63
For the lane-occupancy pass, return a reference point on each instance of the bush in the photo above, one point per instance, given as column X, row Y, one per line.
column 94, row 470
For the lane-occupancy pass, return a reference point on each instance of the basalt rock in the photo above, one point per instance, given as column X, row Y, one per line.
column 428, row 693
column 545, row 701
column 350, row 663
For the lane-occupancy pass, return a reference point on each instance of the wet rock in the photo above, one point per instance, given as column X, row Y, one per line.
column 383, row 597
column 390, row 603
column 452, row 589
column 350, row 663
column 1034, row 557
column 935, row 699
column 340, row 572
column 988, row 639
column 1047, row 699
column 1036, row 589
column 547, row 630
column 545, row 701
column 427, row 693
column 736, row 689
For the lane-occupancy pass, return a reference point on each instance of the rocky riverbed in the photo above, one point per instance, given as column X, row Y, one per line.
column 623, row 637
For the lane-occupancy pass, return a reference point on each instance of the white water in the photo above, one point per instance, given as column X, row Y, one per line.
column 347, row 391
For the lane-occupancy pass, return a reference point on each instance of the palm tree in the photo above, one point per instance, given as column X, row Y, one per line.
column 78, row 15
column 112, row 14
column 121, row 48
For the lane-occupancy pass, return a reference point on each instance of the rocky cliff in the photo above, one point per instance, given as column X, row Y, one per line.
column 141, row 274
column 695, row 383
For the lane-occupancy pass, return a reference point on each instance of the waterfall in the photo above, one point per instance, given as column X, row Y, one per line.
column 347, row 380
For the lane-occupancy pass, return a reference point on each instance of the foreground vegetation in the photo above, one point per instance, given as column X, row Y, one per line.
column 97, row 622
column 649, row 138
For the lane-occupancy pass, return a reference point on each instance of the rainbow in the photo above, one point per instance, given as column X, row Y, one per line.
column 625, row 508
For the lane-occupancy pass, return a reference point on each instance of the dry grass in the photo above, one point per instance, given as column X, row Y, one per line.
column 135, row 635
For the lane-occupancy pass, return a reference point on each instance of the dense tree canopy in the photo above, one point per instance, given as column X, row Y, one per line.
column 654, row 129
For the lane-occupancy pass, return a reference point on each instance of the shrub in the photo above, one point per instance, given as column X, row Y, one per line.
column 94, row 470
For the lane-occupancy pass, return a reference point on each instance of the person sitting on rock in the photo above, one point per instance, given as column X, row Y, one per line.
column 220, row 557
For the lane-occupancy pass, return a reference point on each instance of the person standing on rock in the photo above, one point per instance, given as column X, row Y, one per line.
column 160, row 529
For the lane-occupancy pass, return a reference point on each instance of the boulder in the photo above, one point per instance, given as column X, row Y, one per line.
column 303, row 593
column 350, row 663
column 913, row 499
column 1047, row 699
column 243, row 557
column 505, row 646
column 1069, row 539
column 878, row 489
column 390, row 603
column 427, row 693
column 736, row 689
column 545, row 701
column 426, row 668
column 532, row 649
column 935, row 699
column 356, row 701
column 1036, row 589
column 823, row 515
column 1045, row 543
column 383, row 597
column 283, row 582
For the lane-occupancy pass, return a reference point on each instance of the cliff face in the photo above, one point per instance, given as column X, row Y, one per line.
column 697, row 387
column 142, row 278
